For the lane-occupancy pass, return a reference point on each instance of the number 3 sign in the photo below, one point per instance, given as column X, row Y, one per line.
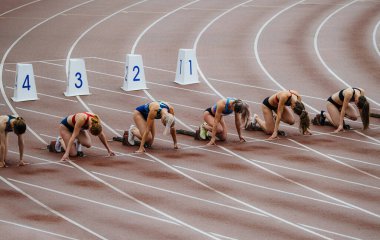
column 77, row 83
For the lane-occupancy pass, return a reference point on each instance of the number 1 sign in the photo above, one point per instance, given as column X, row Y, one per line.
column 187, row 67
column 134, row 78
column 25, row 86
column 77, row 83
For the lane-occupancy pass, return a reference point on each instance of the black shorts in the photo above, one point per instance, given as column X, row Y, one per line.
column 210, row 111
column 339, row 107
column 267, row 104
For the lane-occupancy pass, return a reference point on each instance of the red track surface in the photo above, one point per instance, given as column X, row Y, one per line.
column 323, row 186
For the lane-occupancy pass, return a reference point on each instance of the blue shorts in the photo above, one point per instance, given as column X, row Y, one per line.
column 142, row 110
column 66, row 124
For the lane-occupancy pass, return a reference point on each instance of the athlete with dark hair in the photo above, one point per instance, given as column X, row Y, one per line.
column 283, row 104
column 339, row 105
column 9, row 123
column 214, row 122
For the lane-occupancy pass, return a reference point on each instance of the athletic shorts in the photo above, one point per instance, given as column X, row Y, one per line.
column 267, row 104
column 339, row 107
column 210, row 111
column 67, row 125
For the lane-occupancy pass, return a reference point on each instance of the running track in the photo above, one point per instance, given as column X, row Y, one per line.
column 325, row 186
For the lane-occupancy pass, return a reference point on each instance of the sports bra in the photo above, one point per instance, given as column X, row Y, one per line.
column 161, row 106
column 341, row 96
column 85, row 125
column 8, row 127
column 288, row 101
column 226, row 111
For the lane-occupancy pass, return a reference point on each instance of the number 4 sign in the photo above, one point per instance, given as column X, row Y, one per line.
column 77, row 83
column 25, row 86
column 134, row 78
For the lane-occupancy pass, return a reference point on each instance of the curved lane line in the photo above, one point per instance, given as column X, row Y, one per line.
column 143, row 33
column 316, row 48
column 374, row 38
column 10, row 48
column 50, row 209
column 14, row 9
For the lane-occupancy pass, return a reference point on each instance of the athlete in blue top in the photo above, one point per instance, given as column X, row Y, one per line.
column 145, row 130
column 9, row 123
column 214, row 121
column 339, row 106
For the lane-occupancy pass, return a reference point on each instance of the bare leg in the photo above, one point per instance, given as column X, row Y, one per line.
column 332, row 114
column 268, row 123
column 66, row 135
column 288, row 116
column 221, row 131
column 141, row 127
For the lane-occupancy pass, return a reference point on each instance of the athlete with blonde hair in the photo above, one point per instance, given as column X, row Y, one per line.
column 145, row 130
column 74, row 132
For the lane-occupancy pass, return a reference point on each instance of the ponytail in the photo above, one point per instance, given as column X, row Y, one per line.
column 96, row 127
column 363, row 106
column 299, row 109
column 19, row 126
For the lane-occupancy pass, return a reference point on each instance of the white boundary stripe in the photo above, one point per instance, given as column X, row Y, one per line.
column 256, row 51
column 369, row 137
column 45, row 114
column 221, row 236
column 354, row 160
column 316, row 174
column 338, row 234
column 351, row 205
column 374, row 38
column 141, row 202
column 316, row 48
column 177, row 193
column 14, row 9
column 302, row 185
column 259, row 186
column 37, row 229
column 200, row 35
column 92, row 201
column 235, row 199
column 42, row 159
column 335, row 160
column 285, row 178
column 92, row 27
column 51, row 210
column 10, row 48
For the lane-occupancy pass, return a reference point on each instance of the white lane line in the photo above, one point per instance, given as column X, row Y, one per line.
column 42, row 159
column 354, row 160
column 141, row 202
column 200, row 35
column 317, row 174
column 37, row 229
column 351, row 205
column 46, row 95
column 316, row 48
column 93, row 201
column 235, row 199
column 258, row 59
column 51, row 210
column 258, row 186
column 369, row 137
column 327, row 231
column 14, row 9
column 177, row 193
column 41, row 113
column 332, row 134
column 335, row 160
column 10, row 48
column 258, row 87
column 222, row 236
column 91, row 28
column 302, row 185
column 133, row 155
column 374, row 38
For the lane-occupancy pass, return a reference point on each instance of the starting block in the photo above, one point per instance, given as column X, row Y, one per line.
column 25, row 85
column 187, row 67
column 77, row 83
column 134, row 78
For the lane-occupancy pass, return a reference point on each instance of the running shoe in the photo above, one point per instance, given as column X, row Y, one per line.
column 131, row 137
